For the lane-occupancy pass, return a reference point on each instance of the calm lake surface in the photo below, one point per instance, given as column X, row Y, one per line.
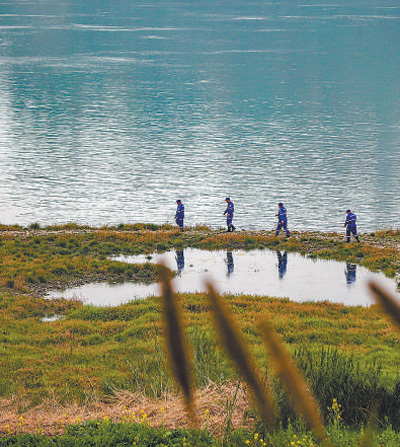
column 255, row 272
column 110, row 111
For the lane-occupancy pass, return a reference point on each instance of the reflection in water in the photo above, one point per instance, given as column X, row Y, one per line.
column 229, row 263
column 250, row 272
column 350, row 273
column 282, row 263
column 180, row 261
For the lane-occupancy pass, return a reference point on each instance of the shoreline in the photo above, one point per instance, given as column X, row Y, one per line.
column 37, row 260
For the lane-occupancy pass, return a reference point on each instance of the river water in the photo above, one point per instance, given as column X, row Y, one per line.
column 111, row 110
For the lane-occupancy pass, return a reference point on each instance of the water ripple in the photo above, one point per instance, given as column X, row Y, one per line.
column 107, row 115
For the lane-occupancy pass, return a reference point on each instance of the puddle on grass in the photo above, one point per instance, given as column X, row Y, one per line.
column 256, row 272
column 52, row 318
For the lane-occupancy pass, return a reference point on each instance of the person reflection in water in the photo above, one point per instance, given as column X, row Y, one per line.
column 229, row 263
column 180, row 261
column 350, row 273
column 282, row 263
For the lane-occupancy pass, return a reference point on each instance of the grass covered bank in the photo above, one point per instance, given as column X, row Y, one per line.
column 348, row 354
column 35, row 259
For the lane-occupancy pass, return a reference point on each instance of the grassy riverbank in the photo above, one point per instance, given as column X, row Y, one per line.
column 109, row 363
column 97, row 360
column 35, row 259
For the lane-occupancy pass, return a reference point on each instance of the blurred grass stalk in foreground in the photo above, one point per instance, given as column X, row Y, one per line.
column 232, row 340
column 178, row 351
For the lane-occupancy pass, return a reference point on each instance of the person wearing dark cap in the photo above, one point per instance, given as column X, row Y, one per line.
column 229, row 214
column 351, row 226
column 180, row 214
column 282, row 220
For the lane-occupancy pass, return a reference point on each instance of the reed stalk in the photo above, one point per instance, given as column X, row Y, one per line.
column 295, row 384
column 388, row 303
column 178, row 351
column 232, row 341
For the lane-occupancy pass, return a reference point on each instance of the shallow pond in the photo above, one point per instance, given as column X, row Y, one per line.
column 256, row 272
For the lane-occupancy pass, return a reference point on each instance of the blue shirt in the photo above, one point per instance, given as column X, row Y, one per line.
column 180, row 211
column 351, row 219
column 282, row 214
column 230, row 209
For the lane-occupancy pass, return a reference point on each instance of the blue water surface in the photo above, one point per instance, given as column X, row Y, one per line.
column 111, row 110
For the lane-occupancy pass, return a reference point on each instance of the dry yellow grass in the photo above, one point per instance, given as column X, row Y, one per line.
column 169, row 411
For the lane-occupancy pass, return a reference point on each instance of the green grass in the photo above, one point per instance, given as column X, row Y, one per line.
column 63, row 255
column 356, row 349
column 106, row 433
column 66, row 359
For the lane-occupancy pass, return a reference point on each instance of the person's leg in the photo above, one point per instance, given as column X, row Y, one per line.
column 348, row 234
column 286, row 229
column 278, row 228
column 229, row 223
column 180, row 223
column 354, row 231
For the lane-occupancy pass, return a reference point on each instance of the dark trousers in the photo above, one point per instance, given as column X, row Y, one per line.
column 351, row 229
column 280, row 226
column 229, row 223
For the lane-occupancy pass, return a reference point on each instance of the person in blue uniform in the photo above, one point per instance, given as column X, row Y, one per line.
column 351, row 226
column 180, row 214
column 229, row 214
column 282, row 220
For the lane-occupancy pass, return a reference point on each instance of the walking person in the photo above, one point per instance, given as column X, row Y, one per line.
column 282, row 220
column 180, row 214
column 351, row 226
column 229, row 215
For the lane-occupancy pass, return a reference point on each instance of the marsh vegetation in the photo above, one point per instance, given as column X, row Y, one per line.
column 347, row 354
